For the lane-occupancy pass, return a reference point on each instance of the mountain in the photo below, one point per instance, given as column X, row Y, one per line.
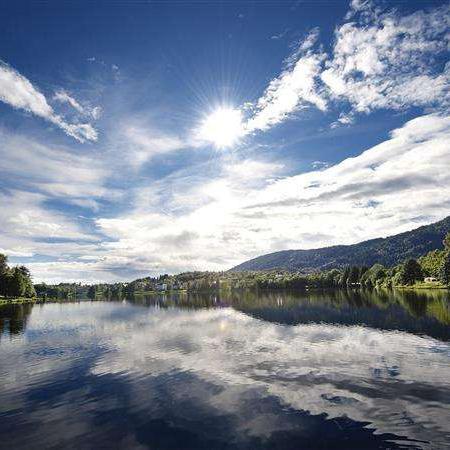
column 387, row 251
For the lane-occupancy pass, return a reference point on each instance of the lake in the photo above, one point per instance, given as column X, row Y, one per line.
column 280, row 370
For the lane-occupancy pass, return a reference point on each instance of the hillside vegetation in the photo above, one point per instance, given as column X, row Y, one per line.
column 388, row 251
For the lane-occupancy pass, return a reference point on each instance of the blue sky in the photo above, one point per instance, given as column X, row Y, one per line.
column 139, row 138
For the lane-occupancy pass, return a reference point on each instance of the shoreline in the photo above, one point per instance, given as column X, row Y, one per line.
column 25, row 300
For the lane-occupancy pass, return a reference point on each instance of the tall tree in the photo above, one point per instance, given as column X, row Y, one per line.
column 92, row 292
column 446, row 241
column 4, row 272
column 432, row 262
column 345, row 275
column 444, row 275
column 3, row 263
column 410, row 272
column 353, row 276
column 362, row 271
column 19, row 285
column 371, row 276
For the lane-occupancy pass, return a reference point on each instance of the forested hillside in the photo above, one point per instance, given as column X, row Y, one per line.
column 386, row 251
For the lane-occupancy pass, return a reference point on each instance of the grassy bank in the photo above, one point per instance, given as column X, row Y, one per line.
column 423, row 285
column 17, row 300
column 23, row 300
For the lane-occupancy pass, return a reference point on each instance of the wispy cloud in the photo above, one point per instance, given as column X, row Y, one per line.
column 53, row 170
column 295, row 88
column 64, row 97
column 27, row 218
column 141, row 142
column 18, row 92
column 34, row 178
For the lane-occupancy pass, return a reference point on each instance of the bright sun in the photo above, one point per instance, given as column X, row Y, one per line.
column 223, row 127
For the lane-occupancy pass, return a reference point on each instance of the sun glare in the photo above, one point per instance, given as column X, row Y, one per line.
column 223, row 127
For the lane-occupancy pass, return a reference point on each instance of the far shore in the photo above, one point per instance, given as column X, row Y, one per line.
column 23, row 300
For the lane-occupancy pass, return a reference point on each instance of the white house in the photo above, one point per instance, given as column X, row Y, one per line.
column 430, row 280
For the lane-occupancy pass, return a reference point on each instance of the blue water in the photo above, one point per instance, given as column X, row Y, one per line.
column 332, row 370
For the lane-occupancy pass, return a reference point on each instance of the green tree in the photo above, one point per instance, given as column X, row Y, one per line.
column 15, row 282
column 19, row 284
column 344, row 277
column 362, row 271
column 432, row 262
column 92, row 292
column 28, row 290
column 3, row 263
column 446, row 242
column 4, row 274
column 371, row 277
column 444, row 275
column 6, row 284
column 353, row 276
column 410, row 272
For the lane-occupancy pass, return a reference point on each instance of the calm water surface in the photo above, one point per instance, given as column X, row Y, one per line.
column 332, row 370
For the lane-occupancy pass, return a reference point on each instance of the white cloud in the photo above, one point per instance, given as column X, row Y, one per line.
column 83, row 270
column 96, row 112
column 213, row 216
column 141, row 143
column 28, row 218
column 320, row 165
column 17, row 251
column 384, row 60
column 18, row 92
column 295, row 88
column 63, row 97
column 217, row 222
column 380, row 60
column 248, row 170
column 55, row 171
column 35, row 176
column 81, row 132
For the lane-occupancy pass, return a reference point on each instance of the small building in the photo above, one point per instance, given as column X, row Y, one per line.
column 430, row 280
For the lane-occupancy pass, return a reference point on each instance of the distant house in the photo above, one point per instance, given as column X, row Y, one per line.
column 161, row 287
column 430, row 280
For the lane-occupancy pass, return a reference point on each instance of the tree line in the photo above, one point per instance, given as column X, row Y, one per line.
column 435, row 264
